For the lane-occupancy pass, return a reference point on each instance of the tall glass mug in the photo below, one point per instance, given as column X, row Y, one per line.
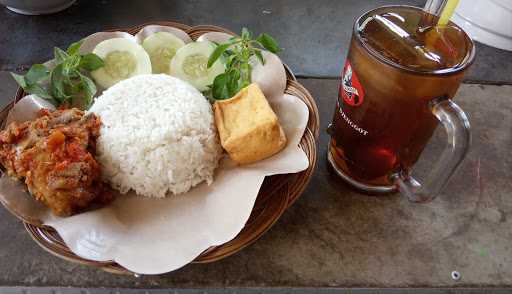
column 397, row 83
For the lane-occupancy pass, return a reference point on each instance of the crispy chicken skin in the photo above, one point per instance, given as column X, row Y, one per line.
column 54, row 156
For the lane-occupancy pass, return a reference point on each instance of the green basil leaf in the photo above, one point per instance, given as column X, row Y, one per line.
column 217, row 53
column 71, row 64
column 258, row 54
column 219, row 90
column 233, row 82
column 88, row 85
column 73, row 82
column 268, row 43
column 39, row 91
column 231, row 60
column 59, row 54
column 73, row 75
column 91, row 62
column 36, row 73
column 230, row 52
column 89, row 89
column 20, row 80
column 74, row 48
column 57, row 83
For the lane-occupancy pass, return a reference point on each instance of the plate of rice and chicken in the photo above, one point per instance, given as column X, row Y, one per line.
column 142, row 150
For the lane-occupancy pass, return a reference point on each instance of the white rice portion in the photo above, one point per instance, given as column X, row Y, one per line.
column 157, row 136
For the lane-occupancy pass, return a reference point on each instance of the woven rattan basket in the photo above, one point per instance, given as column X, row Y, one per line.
column 276, row 194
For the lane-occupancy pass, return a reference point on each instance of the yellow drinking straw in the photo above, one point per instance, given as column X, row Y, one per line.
column 447, row 12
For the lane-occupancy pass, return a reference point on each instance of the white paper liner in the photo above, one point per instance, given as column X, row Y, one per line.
column 27, row 108
column 91, row 41
column 271, row 76
column 218, row 37
column 154, row 236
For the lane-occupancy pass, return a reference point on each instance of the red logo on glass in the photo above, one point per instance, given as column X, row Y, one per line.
column 352, row 91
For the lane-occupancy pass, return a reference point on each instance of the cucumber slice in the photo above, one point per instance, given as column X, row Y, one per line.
column 123, row 59
column 162, row 47
column 190, row 64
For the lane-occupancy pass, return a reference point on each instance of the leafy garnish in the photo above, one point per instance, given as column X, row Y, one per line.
column 66, row 81
column 218, row 89
column 238, row 51
column 59, row 55
column 20, row 80
column 37, row 73
column 221, row 48
column 91, row 62
column 74, row 48
column 268, row 42
column 89, row 88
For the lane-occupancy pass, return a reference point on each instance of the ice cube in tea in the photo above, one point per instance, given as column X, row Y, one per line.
column 412, row 40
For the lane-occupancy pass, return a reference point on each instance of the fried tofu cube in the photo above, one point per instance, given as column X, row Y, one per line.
column 248, row 127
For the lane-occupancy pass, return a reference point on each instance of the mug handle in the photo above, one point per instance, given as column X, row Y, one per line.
column 456, row 123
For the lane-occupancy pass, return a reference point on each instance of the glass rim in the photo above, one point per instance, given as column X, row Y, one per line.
column 469, row 58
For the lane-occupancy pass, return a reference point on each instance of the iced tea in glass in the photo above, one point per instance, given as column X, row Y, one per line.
column 396, row 85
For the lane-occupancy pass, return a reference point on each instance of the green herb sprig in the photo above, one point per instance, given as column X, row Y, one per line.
column 68, row 80
column 238, row 52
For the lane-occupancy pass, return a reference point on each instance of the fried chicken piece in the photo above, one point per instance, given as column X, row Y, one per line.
column 54, row 156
